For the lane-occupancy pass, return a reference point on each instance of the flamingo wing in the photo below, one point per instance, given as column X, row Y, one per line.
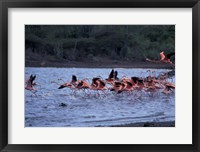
column 94, row 81
column 140, row 81
column 31, row 79
column 162, row 56
column 129, row 84
column 85, row 85
column 80, row 84
column 118, row 83
column 62, row 86
column 102, row 83
column 115, row 75
column 135, row 79
column 111, row 75
column 74, row 78
column 28, row 83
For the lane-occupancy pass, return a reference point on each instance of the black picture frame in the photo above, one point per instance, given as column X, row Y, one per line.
column 5, row 4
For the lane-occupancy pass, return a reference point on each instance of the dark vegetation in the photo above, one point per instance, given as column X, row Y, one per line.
column 102, row 44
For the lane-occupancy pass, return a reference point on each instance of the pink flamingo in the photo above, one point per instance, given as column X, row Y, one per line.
column 112, row 77
column 30, row 83
column 163, row 58
column 71, row 84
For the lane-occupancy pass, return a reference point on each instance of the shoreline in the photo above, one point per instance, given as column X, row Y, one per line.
column 113, row 64
column 146, row 124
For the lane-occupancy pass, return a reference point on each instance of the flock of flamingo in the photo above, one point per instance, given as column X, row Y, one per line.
column 115, row 84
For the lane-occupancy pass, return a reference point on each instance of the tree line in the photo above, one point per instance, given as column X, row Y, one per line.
column 91, row 42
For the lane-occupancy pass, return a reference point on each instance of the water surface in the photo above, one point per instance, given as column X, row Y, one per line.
column 103, row 109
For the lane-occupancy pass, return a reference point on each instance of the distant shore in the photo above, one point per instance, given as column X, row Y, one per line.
column 108, row 64
column 147, row 124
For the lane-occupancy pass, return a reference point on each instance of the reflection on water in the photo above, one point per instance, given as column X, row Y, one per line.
column 64, row 108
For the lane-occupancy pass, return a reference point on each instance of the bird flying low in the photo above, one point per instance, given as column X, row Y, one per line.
column 163, row 58
column 112, row 77
column 71, row 84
